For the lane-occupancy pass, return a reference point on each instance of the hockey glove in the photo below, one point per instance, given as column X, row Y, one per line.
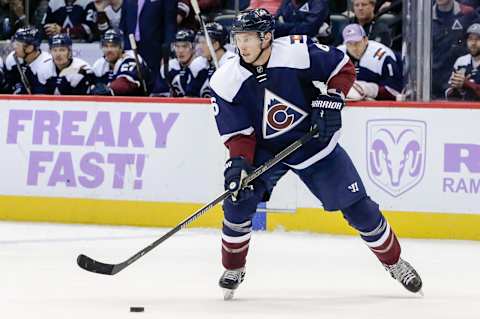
column 101, row 89
column 326, row 115
column 236, row 169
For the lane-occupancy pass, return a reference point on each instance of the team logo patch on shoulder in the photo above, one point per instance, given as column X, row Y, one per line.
column 279, row 115
column 379, row 54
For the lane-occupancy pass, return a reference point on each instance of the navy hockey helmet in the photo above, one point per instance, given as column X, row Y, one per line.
column 185, row 35
column 28, row 35
column 114, row 36
column 217, row 32
column 60, row 40
column 253, row 20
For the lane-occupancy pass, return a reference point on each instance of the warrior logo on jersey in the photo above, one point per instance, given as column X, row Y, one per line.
column 279, row 115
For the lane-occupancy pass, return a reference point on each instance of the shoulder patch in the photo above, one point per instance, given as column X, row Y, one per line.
column 379, row 53
column 227, row 80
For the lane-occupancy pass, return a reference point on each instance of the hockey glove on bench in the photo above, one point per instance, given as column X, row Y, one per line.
column 236, row 169
column 326, row 115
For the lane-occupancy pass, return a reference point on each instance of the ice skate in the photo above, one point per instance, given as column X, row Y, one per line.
column 230, row 281
column 406, row 275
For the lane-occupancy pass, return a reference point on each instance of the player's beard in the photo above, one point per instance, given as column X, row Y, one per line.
column 112, row 57
column 475, row 51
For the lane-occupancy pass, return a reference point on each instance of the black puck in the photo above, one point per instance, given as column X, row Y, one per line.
column 137, row 309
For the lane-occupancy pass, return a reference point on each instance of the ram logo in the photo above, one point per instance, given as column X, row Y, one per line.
column 396, row 154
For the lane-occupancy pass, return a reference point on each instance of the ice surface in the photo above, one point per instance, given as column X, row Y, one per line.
column 289, row 275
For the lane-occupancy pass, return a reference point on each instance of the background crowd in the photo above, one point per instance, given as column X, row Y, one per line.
column 173, row 59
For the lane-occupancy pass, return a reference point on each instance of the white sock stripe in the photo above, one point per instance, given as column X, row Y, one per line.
column 236, row 240
column 381, row 240
column 241, row 228
column 382, row 251
column 378, row 230
column 235, row 250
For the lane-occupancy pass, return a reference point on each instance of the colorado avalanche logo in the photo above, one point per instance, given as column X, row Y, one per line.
column 279, row 115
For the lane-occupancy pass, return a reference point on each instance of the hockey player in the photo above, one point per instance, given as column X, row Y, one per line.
column 263, row 100
column 26, row 43
column 379, row 75
column 464, row 83
column 63, row 74
column 175, row 82
column 205, row 64
column 74, row 17
column 116, row 73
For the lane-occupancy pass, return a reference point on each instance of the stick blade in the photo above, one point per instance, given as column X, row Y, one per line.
column 92, row 265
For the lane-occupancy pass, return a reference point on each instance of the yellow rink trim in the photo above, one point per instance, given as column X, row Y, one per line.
column 161, row 214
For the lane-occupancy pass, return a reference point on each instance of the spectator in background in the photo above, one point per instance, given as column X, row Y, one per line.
column 450, row 19
column 153, row 22
column 186, row 16
column 379, row 76
column 26, row 44
column 203, row 67
column 39, row 14
column 116, row 72
column 74, row 17
column 63, row 74
column 301, row 17
column 12, row 17
column 109, row 13
column 364, row 11
column 271, row 5
column 464, row 82
column 174, row 81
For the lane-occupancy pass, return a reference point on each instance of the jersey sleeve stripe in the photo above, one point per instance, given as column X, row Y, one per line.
column 247, row 131
column 340, row 65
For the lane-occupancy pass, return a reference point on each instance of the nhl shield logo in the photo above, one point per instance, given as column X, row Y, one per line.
column 279, row 115
column 396, row 154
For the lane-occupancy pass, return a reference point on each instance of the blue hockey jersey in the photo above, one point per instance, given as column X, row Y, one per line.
column 124, row 67
column 12, row 76
column 203, row 71
column 77, row 18
column 179, row 77
column 75, row 79
column 275, row 103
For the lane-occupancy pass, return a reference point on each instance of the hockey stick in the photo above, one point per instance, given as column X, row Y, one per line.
column 92, row 265
column 23, row 78
column 166, row 69
column 133, row 45
column 196, row 8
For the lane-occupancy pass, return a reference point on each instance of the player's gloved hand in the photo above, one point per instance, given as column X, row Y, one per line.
column 326, row 115
column 236, row 169
column 101, row 89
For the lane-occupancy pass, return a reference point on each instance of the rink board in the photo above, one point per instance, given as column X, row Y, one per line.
column 152, row 162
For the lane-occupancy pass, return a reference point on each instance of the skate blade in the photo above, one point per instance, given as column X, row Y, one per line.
column 228, row 294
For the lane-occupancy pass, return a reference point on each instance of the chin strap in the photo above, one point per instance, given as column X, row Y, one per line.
column 262, row 38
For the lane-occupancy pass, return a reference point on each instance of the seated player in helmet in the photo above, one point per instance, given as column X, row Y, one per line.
column 63, row 74
column 116, row 73
column 204, row 67
column 175, row 81
column 26, row 43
